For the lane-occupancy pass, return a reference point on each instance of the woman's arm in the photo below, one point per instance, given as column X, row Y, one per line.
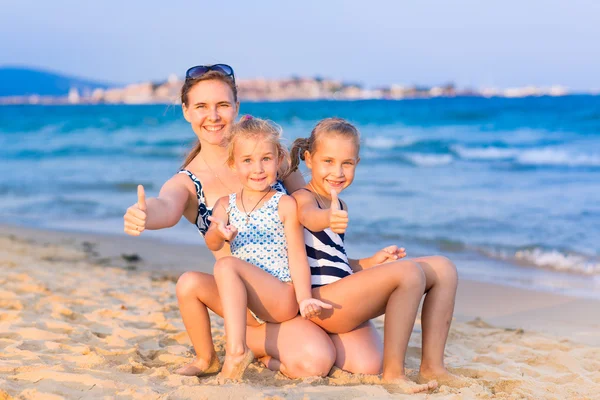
column 293, row 182
column 159, row 212
column 219, row 230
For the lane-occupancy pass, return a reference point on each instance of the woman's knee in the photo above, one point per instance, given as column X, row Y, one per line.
column 368, row 364
column 317, row 359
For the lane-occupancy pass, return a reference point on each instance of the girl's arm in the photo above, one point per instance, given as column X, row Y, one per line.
column 297, row 259
column 390, row 253
column 219, row 230
column 309, row 214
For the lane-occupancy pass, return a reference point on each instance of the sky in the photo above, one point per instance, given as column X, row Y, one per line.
column 473, row 43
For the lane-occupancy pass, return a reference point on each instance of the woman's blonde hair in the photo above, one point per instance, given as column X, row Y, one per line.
column 256, row 128
column 327, row 126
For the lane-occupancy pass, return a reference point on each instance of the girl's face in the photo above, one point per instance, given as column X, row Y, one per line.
column 211, row 110
column 332, row 164
column 256, row 163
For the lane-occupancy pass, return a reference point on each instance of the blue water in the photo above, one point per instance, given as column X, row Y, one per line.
column 507, row 188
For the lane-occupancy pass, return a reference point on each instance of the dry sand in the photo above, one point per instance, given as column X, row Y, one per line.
column 77, row 320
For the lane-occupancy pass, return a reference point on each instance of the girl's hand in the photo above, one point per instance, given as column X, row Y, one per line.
column 390, row 253
column 338, row 219
column 228, row 232
column 135, row 218
column 311, row 307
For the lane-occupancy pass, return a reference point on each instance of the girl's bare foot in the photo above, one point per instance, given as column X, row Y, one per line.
column 200, row 367
column 406, row 386
column 443, row 377
column 235, row 366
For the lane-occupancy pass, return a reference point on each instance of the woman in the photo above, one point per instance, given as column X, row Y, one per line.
column 298, row 347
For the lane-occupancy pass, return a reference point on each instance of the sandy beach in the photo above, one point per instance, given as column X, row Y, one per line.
column 92, row 316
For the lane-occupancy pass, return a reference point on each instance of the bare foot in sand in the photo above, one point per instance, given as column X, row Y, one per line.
column 235, row 366
column 406, row 386
column 443, row 377
column 200, row 367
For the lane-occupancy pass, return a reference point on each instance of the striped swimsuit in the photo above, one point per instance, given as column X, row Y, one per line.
column 327, row 256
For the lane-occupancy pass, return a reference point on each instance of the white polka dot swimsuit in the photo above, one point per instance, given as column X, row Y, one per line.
column 261, row 241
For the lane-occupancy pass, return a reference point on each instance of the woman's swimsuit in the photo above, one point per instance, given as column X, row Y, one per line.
column 202, row 222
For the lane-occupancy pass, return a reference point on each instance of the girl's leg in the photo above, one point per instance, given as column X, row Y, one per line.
column 393, row 288
column 297, row 347
column 441, row 283
column 247, row 286
column 359, row 351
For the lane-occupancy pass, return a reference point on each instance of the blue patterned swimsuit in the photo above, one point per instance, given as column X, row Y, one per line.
column 204, row 212
column 261, row 241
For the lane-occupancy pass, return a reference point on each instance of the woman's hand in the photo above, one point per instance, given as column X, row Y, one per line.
column 228, row 232
column 135, row 218
column 390, row 253
column 310, row 308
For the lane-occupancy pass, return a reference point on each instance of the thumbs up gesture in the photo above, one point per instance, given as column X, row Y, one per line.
column 338, row 219
column 135, row 217
column 228, row 232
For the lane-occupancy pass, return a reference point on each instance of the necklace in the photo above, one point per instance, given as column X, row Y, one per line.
column 257, row 203
column 319, row 198
column 216, row 176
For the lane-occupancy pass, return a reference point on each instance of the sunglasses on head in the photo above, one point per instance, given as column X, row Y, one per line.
column 199, row 70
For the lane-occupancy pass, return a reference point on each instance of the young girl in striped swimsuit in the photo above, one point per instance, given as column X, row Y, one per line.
column 381, row 284
column 261, row 226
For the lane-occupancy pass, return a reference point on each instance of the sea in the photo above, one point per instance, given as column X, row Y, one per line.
column 509, row 189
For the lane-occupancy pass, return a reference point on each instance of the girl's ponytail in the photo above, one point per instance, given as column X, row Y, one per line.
column 299, row 147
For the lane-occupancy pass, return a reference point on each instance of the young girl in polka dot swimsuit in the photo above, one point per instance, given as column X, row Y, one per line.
column 268, row 271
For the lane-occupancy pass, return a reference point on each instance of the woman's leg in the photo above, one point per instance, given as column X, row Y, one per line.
column 359, row 351
column 247, row 286
column 393, row 288
column 440, row 287
column 297, row 347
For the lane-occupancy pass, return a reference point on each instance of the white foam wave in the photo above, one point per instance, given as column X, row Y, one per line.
column 560, row 261
column 550, row 259
column 485, row 153
column 429, row 160
column 550, row 156
column 382, row 142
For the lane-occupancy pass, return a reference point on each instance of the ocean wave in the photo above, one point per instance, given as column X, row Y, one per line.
column 485, row 153
column 558, row 157
column 428, row 160
column 386, row 143
column 564, row 261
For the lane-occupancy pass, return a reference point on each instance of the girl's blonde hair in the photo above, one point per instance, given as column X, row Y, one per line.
column 256, row 128
column 327, row 126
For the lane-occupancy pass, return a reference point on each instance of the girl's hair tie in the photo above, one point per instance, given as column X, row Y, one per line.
column 247, row 117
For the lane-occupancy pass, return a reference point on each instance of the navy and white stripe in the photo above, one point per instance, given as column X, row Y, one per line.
column 327, row 256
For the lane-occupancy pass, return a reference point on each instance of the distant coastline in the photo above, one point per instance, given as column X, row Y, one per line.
column 294, row 88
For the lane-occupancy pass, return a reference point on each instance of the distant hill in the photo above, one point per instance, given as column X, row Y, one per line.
column 15, row 81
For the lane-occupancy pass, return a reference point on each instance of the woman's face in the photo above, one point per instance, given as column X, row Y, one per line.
column 211, row 110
